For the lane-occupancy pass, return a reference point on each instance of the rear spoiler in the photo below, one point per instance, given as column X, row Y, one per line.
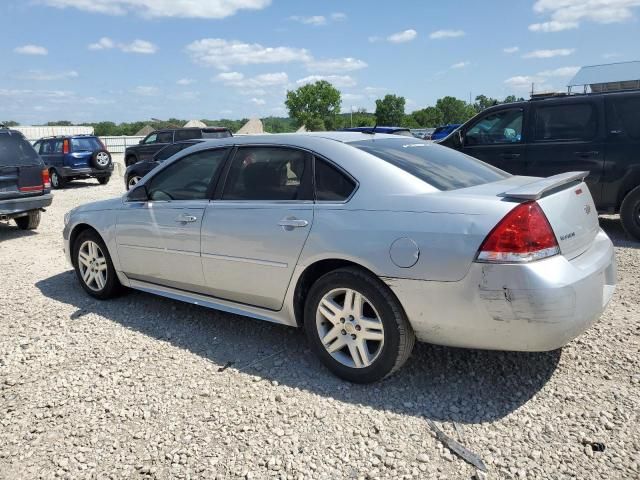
column 535, row 190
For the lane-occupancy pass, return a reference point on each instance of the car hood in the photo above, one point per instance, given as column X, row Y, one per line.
column 110, row 204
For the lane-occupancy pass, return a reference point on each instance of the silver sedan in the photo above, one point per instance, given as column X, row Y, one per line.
column 366, row 241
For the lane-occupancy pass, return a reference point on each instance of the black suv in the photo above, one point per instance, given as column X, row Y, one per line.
column 24, row 181
column 159, row 139
column 599, row 133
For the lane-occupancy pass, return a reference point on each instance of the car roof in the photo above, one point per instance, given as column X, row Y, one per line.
column 295, row 139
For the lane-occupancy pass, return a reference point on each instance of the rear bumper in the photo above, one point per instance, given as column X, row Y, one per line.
column 17, row 206
column 534, row 307
column 88, row 171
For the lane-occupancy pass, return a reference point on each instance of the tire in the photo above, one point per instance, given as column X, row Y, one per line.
column 30, row 221
column 101, row 159
column 390, row 338
column 132, row 180
column 630, row 213
column 130, row 160
column 57, row 180
column 108, row 286
column 104, row 180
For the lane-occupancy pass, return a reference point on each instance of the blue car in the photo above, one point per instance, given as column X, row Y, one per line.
column 72, row 157
column 391, row 130
column 444, row 131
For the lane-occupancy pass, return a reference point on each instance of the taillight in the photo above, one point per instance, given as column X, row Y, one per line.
column 46, row 182
column 104, row 147
column 523, row 235
column 65, row 146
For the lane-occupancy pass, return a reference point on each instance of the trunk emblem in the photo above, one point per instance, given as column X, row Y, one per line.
column 587, row 209
column 578, row 191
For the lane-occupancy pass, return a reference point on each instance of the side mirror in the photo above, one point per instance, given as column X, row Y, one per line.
column 458, row 139
column 141, row 141
column 138, row 194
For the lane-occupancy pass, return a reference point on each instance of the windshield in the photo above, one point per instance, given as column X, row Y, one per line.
column 90, row 144
column 16, row 151
column 441, row 167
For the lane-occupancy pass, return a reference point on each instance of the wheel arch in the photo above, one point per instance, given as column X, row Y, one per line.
column 75, row 233
column 631, row 182
column 312, row 273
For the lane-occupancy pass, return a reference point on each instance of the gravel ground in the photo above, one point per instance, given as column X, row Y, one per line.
column 137, row 388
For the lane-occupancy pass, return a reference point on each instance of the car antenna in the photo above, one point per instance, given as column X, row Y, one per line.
column 372, row 131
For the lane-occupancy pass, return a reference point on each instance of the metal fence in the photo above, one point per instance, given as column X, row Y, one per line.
column 118, row 144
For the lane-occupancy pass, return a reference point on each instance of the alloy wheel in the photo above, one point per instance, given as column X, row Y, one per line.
column 133, row 180
column 349, row 328
column 93, row 265
column 102, row 158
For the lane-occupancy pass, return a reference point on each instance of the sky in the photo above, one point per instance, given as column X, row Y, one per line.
column 126, row 60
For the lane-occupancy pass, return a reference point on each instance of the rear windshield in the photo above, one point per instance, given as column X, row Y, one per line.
column 441, row 167
column 90, row 144
column 216, row 133
column 16, row 151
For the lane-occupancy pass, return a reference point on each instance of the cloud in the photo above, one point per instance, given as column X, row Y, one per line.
column 31, row 50
column 137, row 46
column 336, row 65
column 39, row 75
column 560, row 72
column 402, row 37
column 339, row 81
column 440, row 34
column 510, row 49
column 338, row 16
column 315, row 20
column 222, row 54
column 257, row 83
column 146, row 91
column 185, row 81
column 460, row 65
column 258, row 101
column 611, row 55
column 558, row 52
column 211, row 9
column 568, row 14
column 523, row 83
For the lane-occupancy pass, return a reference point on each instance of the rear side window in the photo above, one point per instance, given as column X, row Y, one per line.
column 216, row 133
column 16, row 151
column 187, row 134
column 441, row 167
column 566, row 122
column 331, row 184
column 85, row 144
column 623, row 116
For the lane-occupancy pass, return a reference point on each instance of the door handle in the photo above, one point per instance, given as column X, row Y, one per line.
column 592, row 153
column 290, row 223
column 510, row 155
column 186, row 218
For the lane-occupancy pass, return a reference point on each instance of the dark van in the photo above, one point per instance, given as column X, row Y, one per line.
column 599, row 133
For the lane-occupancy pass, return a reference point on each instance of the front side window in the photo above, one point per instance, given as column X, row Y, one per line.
column 153, row 138
column 566, row 122
column 267, row 173
column 500, row 127
column 331, row 184
column 188, row 178
column 438, row 166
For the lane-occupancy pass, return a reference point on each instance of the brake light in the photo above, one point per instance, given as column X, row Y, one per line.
column 65, row 146
column 46, row 182
column 104, row 147
column 523, row 235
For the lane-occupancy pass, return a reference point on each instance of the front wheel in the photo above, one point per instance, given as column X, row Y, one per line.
column 356, row 326
column 630, row 213
column 133, row 180
column 94, row 267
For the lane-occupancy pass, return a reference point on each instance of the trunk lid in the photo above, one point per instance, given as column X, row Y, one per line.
column 568, row 205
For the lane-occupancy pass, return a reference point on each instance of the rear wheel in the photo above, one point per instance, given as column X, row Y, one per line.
column 103, row 180
column 30, row 221
column 57, row 180
column 94, row 267
column 356, row 326
column 630, row 213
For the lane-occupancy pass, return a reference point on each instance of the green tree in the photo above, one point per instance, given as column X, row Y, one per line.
column 315, row 105
column 60, row 123
column 390, row 110
column 428, row 117
column 454, row 110
column 9, row 123
column 482, row 102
